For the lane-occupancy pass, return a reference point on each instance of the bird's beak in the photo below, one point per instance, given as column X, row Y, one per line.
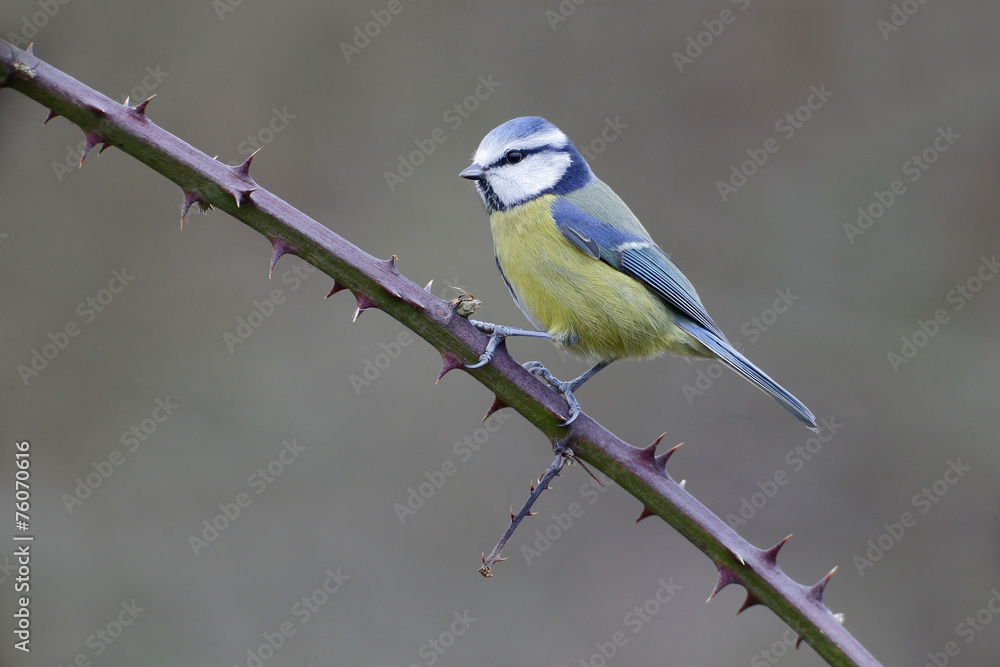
column 473, row 173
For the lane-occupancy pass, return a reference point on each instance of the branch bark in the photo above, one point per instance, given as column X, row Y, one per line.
column 377, row 284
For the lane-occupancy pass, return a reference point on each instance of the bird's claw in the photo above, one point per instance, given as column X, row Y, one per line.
column 497, row 334
column 565, row 388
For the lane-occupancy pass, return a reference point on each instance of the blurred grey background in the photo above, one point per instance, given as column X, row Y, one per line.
column 668, row 100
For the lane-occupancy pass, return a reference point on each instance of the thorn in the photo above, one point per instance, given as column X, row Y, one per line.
column 364, row 303
column 333, row 290
column 279, row 248
column 31, row 49
column 683, row 484
column 243, row 195
column 190, row 197
column 646, row 512
column 771, row 555
column 512, row 514
column 497, row 405
column 797, row 642
column 662, row 459
column 140, row 108
column 751, row 601
column 449, row 362
column 391, row 262
column 816, row 592
column 244, row 169
column 650, row 449
column 91, row 139
column 52, row 114
column 726, row 577
column 427, row 287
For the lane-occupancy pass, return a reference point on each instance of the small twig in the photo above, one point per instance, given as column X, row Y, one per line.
column 564, row 455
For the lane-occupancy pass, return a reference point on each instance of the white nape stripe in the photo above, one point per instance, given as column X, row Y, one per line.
column 493, row 148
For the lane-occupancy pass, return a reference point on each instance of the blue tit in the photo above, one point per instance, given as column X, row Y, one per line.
column 582, row 267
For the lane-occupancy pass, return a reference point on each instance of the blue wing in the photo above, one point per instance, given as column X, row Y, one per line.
column 630, row 250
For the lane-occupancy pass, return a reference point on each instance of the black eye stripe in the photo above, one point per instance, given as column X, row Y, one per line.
column 525, row 152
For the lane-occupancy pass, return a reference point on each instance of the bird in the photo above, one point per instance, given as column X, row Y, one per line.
column 584, row 270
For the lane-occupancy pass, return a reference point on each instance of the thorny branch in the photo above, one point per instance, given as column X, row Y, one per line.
column 376, row 283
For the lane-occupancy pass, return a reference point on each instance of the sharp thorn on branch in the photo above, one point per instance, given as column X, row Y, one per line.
column 333, row 290
column 661, row 459
column 140, row 108
column 816, row 591
column 771, row 555
column 751, row 601
column 726, row 577
column 243, row 169
column 449, row 362
column 650, row 449
column 364, row 303
column 497, row 405
column 645, row 513
column 278, row 248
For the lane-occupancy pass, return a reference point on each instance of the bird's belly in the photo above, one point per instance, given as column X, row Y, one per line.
column 594, row 310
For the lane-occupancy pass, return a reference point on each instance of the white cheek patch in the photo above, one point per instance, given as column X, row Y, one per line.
column 516, row 183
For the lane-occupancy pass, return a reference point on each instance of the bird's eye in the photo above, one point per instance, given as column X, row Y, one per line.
column 513, row 157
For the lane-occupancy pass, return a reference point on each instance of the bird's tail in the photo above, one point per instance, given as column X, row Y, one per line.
column 722, row 349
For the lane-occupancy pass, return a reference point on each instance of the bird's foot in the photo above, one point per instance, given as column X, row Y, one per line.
column 497, row 333
column 565, row 388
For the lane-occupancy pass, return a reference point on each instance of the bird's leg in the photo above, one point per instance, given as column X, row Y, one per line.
column 565, row 388
column 497, row 333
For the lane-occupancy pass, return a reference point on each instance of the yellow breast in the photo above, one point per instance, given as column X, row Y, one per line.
column 594, row 310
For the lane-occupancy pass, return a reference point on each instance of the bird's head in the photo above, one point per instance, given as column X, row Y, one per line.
column 522, row 159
